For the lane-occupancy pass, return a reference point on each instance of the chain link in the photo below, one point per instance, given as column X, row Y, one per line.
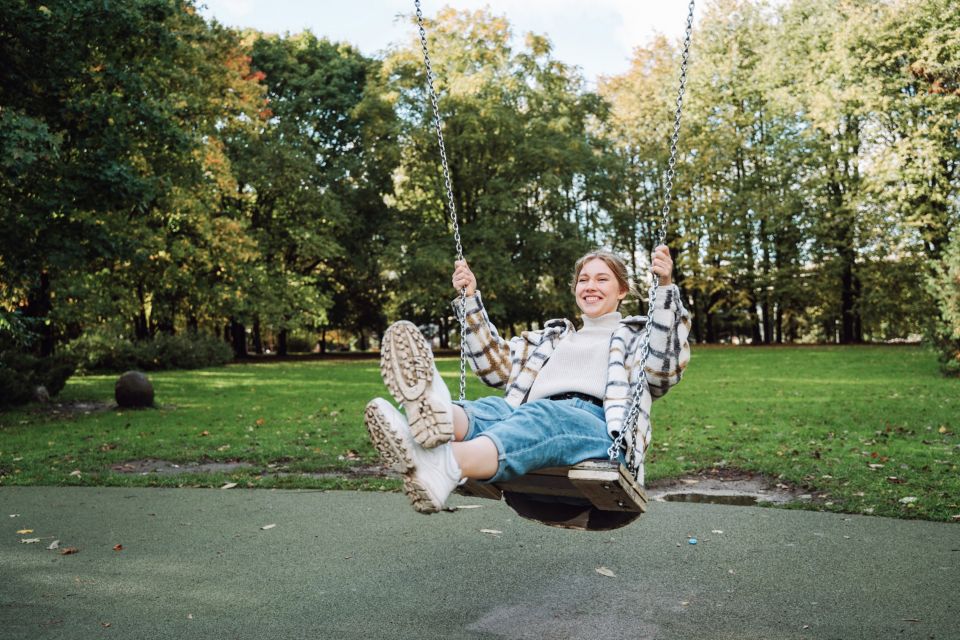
column 451, row 203
column 636, row 444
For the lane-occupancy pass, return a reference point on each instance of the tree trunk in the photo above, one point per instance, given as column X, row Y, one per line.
column 141, row 325
column 779, row 323
column 444, row 333
column 239, row 334
column 39, row 306
column 323, row 340
column 166, row 323
column 257, row 341
column 282, row 343
column 850, row 286
column 711, row 327
column 699, row 313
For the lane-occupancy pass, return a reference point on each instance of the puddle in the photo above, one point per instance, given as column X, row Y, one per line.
column 728, row 487
column 712, row 498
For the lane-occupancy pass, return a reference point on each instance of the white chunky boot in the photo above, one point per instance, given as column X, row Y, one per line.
column 407, row 368
column 429, row 475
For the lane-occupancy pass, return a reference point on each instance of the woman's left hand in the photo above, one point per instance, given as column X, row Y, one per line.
column 663, row 265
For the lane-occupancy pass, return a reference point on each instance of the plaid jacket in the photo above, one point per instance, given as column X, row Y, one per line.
column 513, row 365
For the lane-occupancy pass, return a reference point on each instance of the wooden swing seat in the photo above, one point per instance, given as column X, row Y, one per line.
column 594, row 495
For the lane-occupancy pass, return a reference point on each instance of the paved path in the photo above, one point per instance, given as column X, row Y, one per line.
column 196, row 564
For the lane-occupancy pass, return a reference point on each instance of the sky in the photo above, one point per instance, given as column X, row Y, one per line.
column 596, row 35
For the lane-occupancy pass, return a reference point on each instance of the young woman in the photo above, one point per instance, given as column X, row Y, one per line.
column 566, row 391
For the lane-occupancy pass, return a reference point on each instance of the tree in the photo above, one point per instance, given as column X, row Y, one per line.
column 523, row 160
column 104, row 140
column 944, row 286
column 312, row 182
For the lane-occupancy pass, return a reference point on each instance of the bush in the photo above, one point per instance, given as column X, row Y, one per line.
column 300, row 343
column 191, row 351
column 98, row 352
column 21, row 373
column 944, row 285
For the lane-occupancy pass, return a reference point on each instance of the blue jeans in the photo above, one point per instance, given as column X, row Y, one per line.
column 538, row 434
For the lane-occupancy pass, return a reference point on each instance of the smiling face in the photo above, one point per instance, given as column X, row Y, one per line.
column 598, row 292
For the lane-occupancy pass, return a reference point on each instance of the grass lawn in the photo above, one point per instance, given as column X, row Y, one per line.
column 865, row 428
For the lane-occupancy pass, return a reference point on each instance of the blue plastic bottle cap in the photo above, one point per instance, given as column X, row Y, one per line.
column 692, row 541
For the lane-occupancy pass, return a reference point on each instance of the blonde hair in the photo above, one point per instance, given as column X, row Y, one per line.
column 612, row 260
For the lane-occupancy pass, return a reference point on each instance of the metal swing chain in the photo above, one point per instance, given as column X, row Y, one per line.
column 451, row 204
column 636, row 450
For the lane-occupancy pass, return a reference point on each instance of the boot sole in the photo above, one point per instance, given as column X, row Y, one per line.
column 406, row 365
column 394, row 450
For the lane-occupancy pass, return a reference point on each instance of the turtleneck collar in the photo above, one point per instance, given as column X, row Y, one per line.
column 606, row 321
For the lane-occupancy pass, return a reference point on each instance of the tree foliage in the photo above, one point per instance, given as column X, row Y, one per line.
column 160, row 173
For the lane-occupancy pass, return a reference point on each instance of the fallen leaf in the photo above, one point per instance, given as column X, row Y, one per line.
column 806, row 626
column 189, row 616
column 229, row 485
column 105, row 624
column 259, row 422
column 223, row 447
column 875, row 466
column 29, row 540
column 718, row 531
column 469, row 506
column 493, row 532
column 911, row 620
column 955, row 517
column 69, row 551
column 118, row 547
column 895, row 480
column 24, row 531
column 605, row 572
column 267, row 526
column 942, row 429
column 75, row 473
column 14, row 515
column 54, row 545
column 908, row 499
column 204, row 433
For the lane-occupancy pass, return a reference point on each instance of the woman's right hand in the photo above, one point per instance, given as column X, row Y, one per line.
column 464, row 278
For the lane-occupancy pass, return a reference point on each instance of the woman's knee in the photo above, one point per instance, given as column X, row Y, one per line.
column 476, row 416
column 461, row 423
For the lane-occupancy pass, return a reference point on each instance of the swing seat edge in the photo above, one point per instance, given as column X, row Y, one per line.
column 607, row 486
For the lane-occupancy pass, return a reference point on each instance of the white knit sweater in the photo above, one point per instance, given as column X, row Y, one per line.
column 579, row 362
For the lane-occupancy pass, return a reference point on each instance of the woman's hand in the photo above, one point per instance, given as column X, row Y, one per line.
column 464, row 278
column 663, row 265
